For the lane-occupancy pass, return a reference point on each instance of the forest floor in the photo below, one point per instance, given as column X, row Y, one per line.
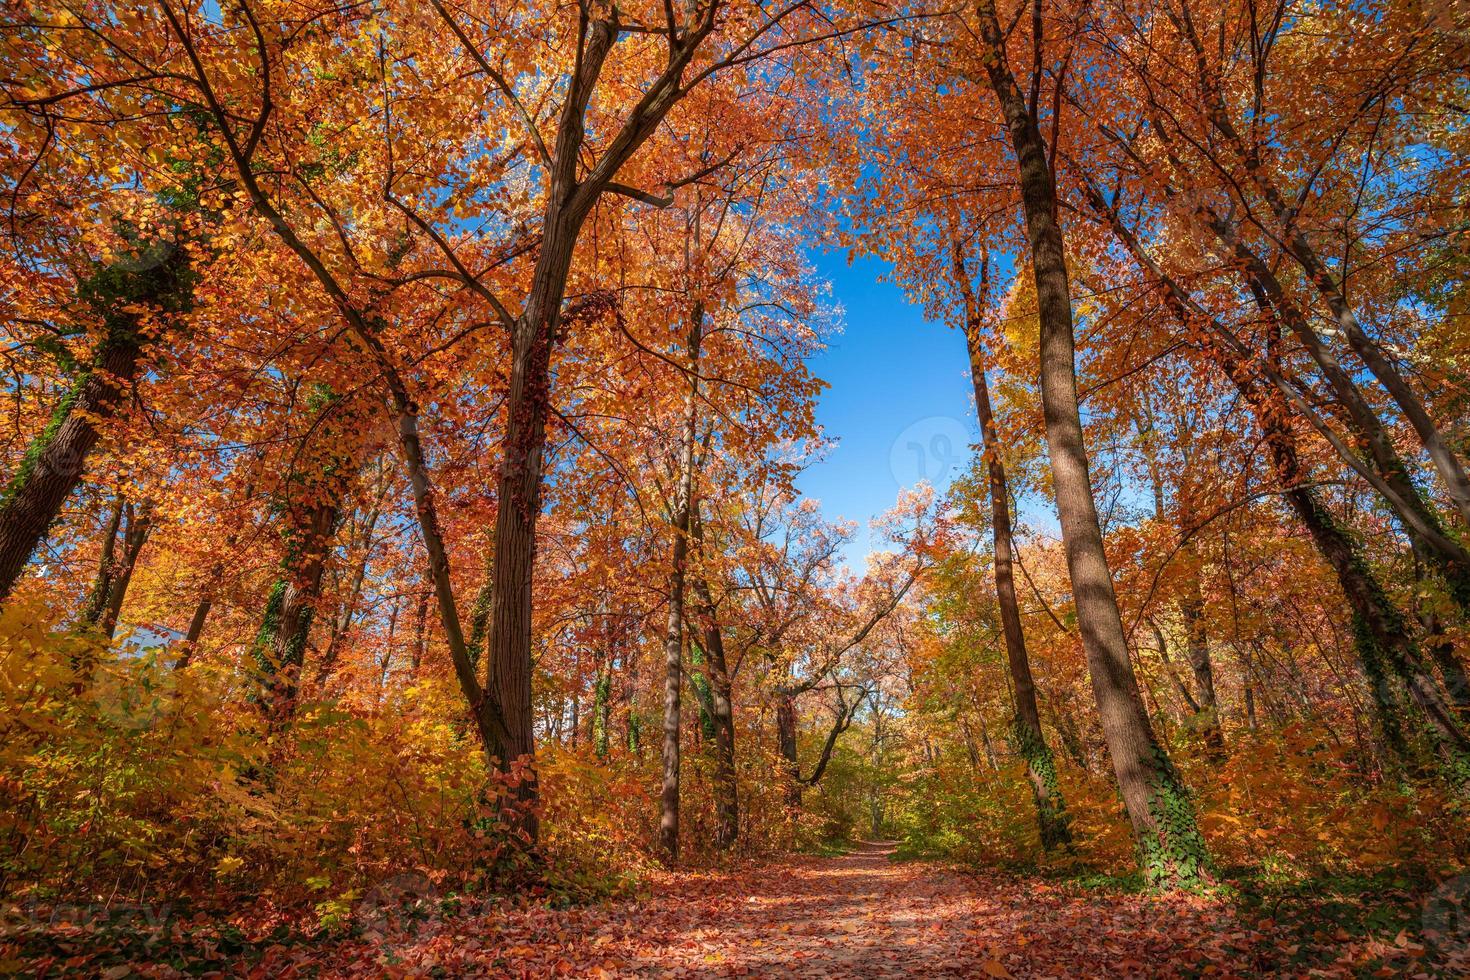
column 861, row 914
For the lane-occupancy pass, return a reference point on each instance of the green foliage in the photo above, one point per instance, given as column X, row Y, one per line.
column 1174, row 853
column 1051, row 806
column 601, row 701
column 38, row 446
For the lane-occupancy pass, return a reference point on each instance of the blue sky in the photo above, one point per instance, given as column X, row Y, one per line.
column 900, row 402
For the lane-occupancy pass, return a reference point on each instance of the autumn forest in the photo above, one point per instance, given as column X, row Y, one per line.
column 405, row 562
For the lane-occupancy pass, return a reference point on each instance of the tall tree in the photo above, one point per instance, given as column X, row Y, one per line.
column 1171, row 848
column 1041, row 771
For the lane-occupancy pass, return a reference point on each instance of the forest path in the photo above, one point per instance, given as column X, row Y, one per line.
column 857, row 915
column 861, row 914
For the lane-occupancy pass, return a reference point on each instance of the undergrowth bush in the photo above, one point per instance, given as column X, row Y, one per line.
column 1292, row 801
column 121, row 776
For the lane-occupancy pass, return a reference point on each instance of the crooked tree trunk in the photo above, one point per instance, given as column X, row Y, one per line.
column 1445, row 462
column 1041, row 769
column 841, row 722
column 1171, row 849
column 1383, row 643
column 54, row 462
column 1386, row 470
column 1393, row 480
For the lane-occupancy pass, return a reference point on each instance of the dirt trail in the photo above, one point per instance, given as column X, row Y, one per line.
column 857, row 915
column 861, row 914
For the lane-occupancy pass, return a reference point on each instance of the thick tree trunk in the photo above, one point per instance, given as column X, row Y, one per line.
column 726, row 786
column 1041, row 769
column 157, row 277
column 508, row 662
column 508, row 659
column 280, row 645
column 54, row 462
column 1171, row 848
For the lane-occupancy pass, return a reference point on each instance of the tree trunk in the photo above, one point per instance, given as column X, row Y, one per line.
column 1171, row 848
column 679, row 517
column 1445, row 462
column 158, row 277
column 55, row 459
column 1419, row 520
column 139, row 526
column 102, row 585
column 509, row 663
column 1041, row 770
column 1382, row 641
column 1192, row 611
column 195, row 630
column 280, row 645
column 722, row 710
column 722, row 714
column 602, row 712
column 786, row 745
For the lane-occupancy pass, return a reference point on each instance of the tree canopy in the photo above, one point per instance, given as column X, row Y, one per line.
column 407, row 405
